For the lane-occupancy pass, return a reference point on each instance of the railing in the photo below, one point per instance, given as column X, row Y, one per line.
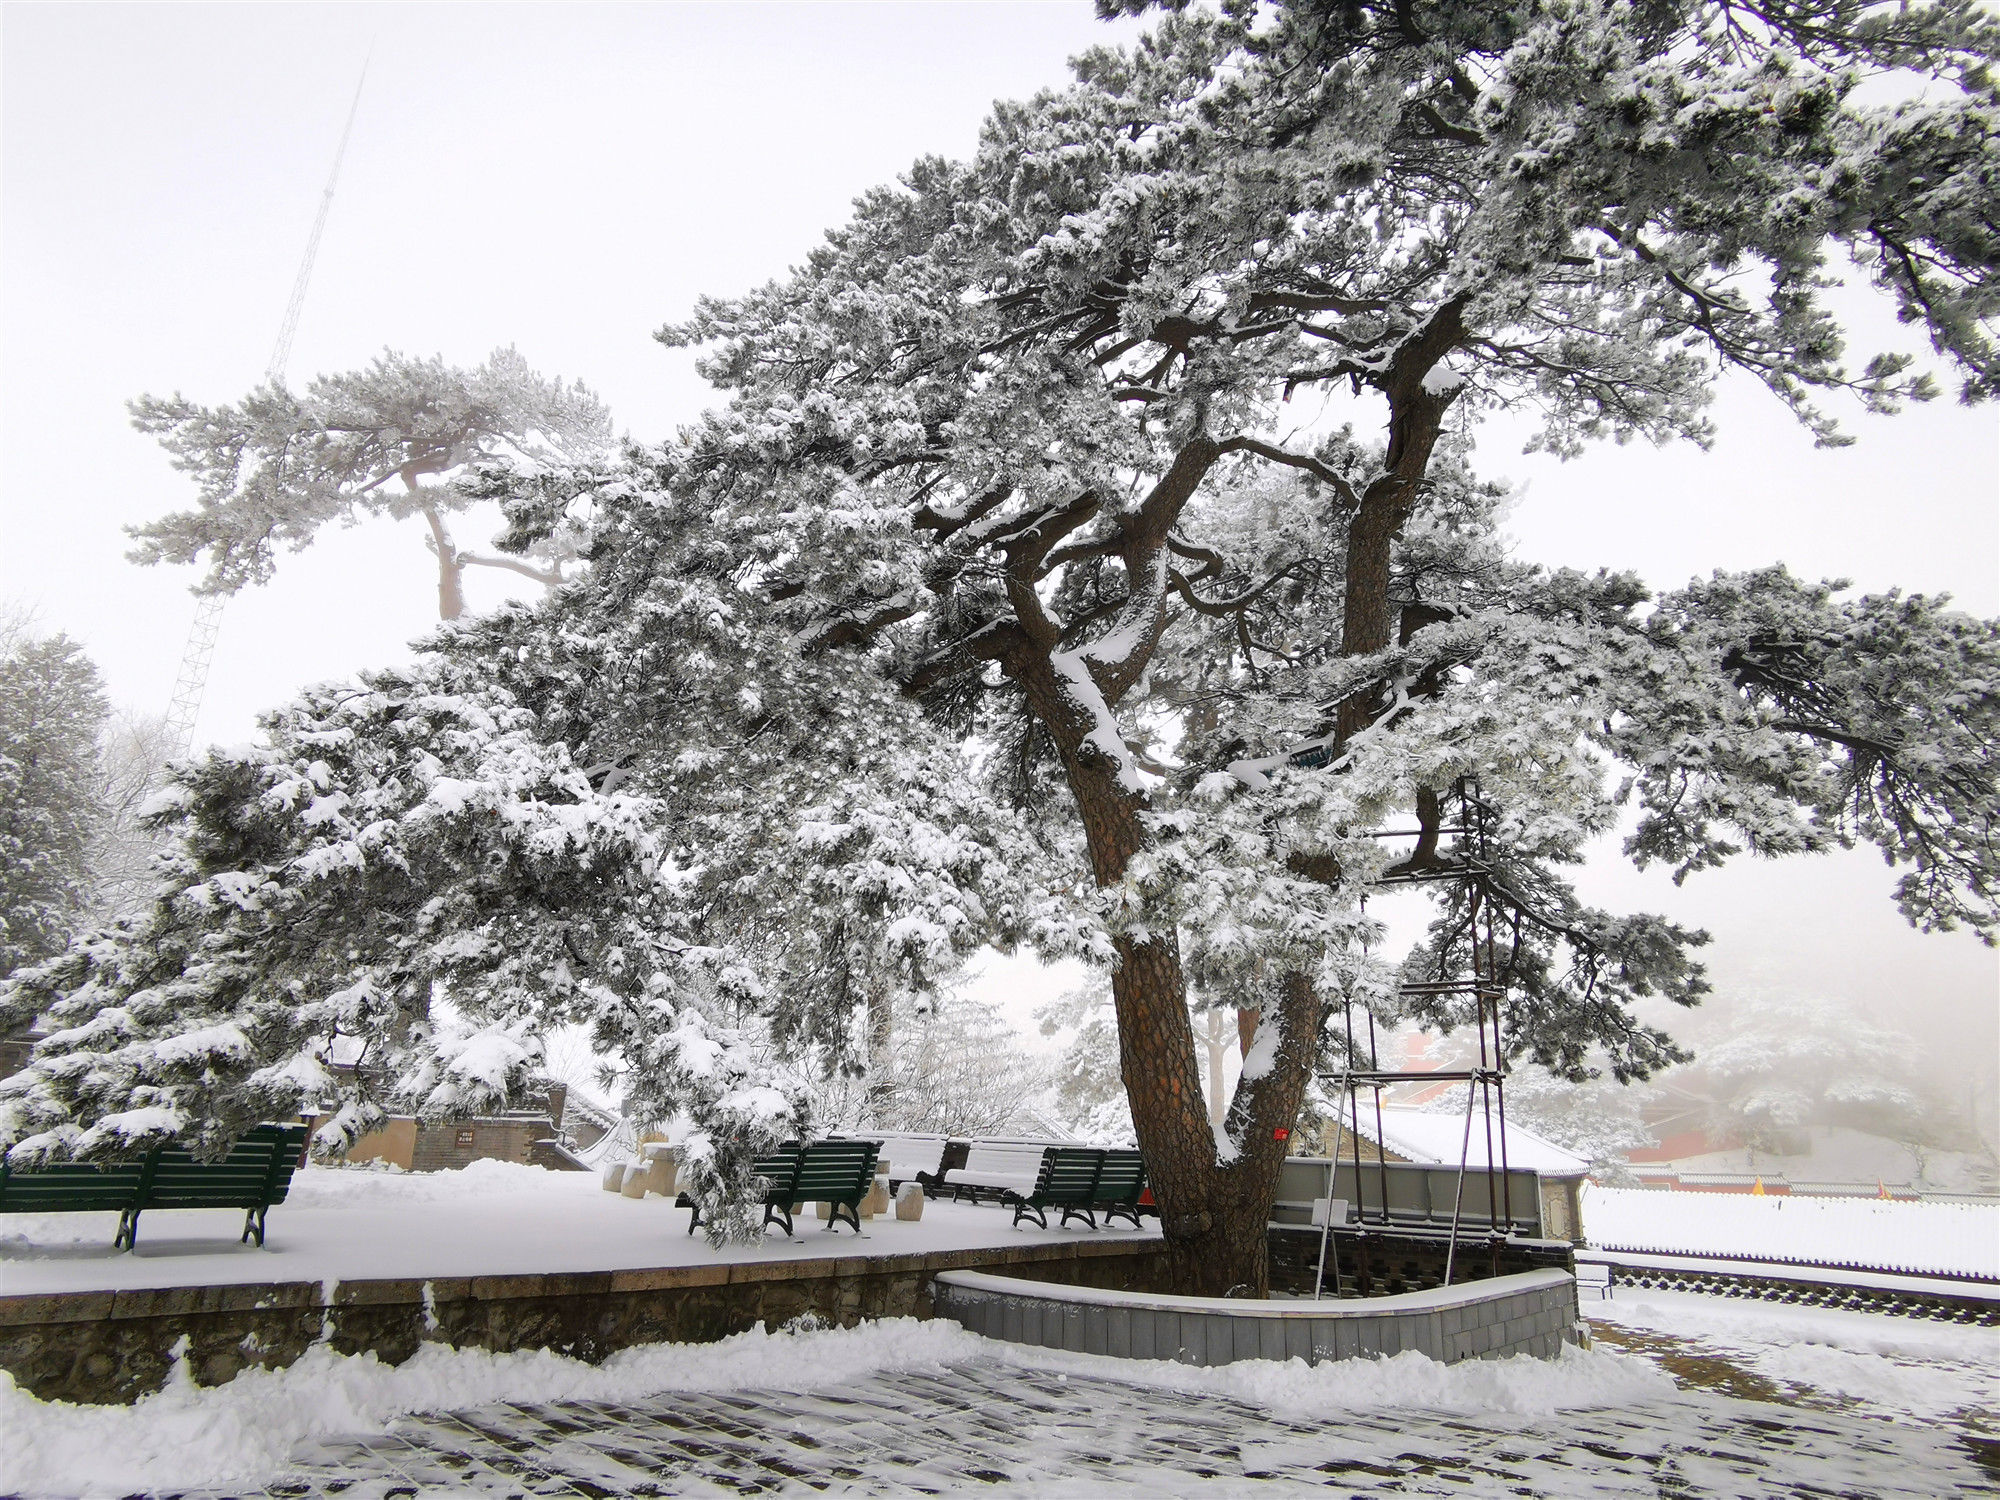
column 1413, row 1196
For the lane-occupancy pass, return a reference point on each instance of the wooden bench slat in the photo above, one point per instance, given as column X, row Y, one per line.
column 1119, row 1186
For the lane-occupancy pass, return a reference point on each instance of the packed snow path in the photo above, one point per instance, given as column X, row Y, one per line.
column 1765, row 1400
column 988, row 1423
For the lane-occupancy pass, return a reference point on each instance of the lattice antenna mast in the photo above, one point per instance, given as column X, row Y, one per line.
column 192, row 682
column 281, row 353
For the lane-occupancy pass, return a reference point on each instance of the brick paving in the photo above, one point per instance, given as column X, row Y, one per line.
column 989, row 1425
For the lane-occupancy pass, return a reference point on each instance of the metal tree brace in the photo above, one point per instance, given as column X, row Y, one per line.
column 1470, row 864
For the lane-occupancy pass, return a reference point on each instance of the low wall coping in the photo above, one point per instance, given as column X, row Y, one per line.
column 1434, row 1299
column 30, row 1308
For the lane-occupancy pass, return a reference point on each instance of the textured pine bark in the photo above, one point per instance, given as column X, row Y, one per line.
column 1368, row 621
column 451, row 593
column 1214, row 1187
column 1213, row 1212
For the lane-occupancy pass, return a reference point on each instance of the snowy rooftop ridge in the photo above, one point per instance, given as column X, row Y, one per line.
column 1940, row 1239
column 1438, row 1138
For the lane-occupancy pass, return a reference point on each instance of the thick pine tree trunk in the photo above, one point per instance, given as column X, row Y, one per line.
column 451, row 592
column 881, row 1037
column 451, row 572
column 1215, row 1200
column 1215, row 1186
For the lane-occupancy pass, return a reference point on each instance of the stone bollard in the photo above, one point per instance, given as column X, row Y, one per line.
column 662, row 1169
column 614, row 1177
column 876, row 1199
column 910, row 1201
column 634, row 1185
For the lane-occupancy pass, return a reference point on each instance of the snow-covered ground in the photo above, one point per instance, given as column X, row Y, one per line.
column 489, row 1219
column 1948, row 1239
column 247, row 1429
column 887, row 1408
column 1905, row 1369
column 1838, row 1402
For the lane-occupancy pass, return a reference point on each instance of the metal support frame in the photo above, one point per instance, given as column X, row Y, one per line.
column 1469, row 864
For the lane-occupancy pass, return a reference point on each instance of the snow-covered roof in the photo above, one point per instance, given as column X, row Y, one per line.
column 1837, row 1156
column 1939, row 1239
column 1437, row 1140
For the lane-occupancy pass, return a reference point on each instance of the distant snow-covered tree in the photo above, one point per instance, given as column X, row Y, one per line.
column 1089, row 1095
column 954, row 1066
column 277, row 467
column 52, row 711
column 1599, row 1119
column 132, row 755
column 1780, row 1063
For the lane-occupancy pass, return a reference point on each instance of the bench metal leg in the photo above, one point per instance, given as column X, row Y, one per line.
column 1022, row 1209
column 1113, row 1214
column 1081, row 1213
column 128, row 1229
column 780, row 1213
column 253, row 1224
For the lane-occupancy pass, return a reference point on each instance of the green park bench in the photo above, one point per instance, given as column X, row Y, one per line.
column 1067, row 1180
column 839, row 1173
column 254, row 1176
column 1121, row 1182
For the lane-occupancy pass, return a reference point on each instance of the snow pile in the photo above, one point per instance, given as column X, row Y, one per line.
column 1519, row 1386
column 477, row 1181
column 245, row 1431
column 1938, row 1239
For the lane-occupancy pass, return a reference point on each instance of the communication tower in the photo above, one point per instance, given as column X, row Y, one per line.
column 192, row 682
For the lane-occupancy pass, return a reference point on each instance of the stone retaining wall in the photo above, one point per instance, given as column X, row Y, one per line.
column 1531, row 1313
column 117, row 1346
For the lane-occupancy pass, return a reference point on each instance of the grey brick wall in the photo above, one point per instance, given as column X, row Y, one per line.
column 1501, row 1317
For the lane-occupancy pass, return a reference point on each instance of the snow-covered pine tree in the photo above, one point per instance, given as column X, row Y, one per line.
column 277, row 467
column 52, row 709
column 734, row 858
column 988, row 434
column 386, row 839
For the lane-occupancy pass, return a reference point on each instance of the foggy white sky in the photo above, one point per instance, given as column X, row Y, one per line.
column 568, row 178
